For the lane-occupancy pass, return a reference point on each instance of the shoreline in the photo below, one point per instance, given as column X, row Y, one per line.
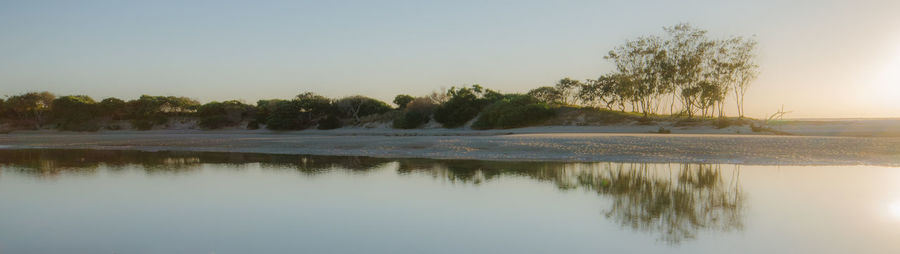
column 504, row 145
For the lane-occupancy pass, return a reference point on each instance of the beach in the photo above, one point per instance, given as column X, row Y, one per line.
column 559, row 143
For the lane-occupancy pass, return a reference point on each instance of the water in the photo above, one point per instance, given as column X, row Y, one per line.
column 79, row 201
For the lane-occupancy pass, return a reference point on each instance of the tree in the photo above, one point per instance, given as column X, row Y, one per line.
column 687, row 47
column 360, row 106
column 401, row 101
column 743, row 55
column 602, row 91
column 31, row 106
column 547, row 94
column 636, row 62
column 566, row 88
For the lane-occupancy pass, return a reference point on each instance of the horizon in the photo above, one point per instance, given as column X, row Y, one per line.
column 223, row 51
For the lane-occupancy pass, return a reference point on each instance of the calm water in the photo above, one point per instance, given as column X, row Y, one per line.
column 141, row 202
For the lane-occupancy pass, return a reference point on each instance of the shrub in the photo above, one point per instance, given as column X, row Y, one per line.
column 356, row 107
column 329, row 123
column 285, row 116
column 411, row 120
column 463, row 105
column 513, row 111
column 417, row 113
column 75, row 113
column 113, row 108
column 215, row 115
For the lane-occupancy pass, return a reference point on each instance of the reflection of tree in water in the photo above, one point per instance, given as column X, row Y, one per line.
column 674, row 200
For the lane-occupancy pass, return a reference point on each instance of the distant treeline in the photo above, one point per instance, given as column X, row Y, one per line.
column 451, row 109
column 690, row 72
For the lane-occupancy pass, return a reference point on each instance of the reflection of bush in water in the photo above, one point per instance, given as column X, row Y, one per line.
column 41, row 162
column 674, row 202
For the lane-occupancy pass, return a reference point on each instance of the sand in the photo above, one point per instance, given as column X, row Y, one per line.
column 582, row 144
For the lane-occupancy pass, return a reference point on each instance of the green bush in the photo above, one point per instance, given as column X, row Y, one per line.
column 356, row 107
column 215, row 115
column 75, row 113
column 513, row 111
column 285, row 116
column 411, row 120
column 463, row 105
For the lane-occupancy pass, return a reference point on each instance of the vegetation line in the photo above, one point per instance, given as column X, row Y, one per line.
column 691, row 73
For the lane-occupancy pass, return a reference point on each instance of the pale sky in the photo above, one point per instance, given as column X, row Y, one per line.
column 818, row 58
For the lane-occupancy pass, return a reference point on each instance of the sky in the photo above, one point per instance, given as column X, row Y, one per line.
column 820, row 59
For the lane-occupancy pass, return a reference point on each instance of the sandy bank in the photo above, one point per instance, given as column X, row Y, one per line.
column 495, row 145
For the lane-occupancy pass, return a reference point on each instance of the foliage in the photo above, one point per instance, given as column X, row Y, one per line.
column 264, row 108
column 31, row 107
column 464, row 104
column 401, row 101
column 513, row 111
column 683, row 66
column 547, row 94
column 215, row 115
column 113, row 108
column 417, row 113
column 147, row 111
column 359, row 106
column 285, row 116
column 75, row 113
column 411, row 120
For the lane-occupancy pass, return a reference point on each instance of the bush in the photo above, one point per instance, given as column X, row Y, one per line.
column 513, row 111
column 329, row 123
column 464, row 104
column 356, row 107
column 417, row 113
column 75, row 113
column 285, row 116
column 411, row 120
column 215, row 115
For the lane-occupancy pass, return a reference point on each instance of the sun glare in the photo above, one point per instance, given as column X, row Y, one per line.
column 886, row 86
column 894, row 209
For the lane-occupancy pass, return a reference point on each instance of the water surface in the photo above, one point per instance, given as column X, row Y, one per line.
column 81, row 201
